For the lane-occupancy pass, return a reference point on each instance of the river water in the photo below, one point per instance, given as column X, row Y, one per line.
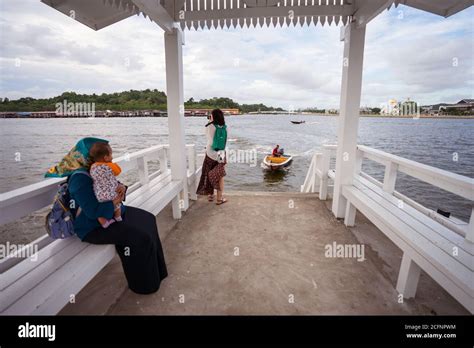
column 29, row 146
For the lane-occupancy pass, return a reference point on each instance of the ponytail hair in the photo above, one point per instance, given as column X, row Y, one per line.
column 218, row 117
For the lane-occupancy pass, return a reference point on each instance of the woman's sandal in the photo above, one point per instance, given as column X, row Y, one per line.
column 210, row 198
column 222, row 201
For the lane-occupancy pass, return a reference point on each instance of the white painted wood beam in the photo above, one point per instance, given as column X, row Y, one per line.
column 458, row 7
column 368, row 10
column 329, row 10
column 436, row 8
column 157, row 12
column 175, row 104
column 348, row 120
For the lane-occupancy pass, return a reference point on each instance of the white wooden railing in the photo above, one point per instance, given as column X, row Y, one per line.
column 28, row 199
column 320, row 174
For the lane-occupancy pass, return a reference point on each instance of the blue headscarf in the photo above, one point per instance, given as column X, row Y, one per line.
column 76, row 159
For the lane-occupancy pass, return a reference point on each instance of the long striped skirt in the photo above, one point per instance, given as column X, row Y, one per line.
column 212, row 172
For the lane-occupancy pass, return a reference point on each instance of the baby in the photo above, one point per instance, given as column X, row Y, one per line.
column 103, row 173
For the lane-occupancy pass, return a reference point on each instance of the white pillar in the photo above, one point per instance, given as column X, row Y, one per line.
column 348, row 122
column 175, row 101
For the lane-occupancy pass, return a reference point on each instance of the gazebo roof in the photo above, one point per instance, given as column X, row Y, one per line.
column 208, row 14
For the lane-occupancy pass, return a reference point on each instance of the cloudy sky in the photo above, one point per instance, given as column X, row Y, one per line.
column 409, row 53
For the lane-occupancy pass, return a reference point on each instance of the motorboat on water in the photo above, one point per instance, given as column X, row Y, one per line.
column 277, row 162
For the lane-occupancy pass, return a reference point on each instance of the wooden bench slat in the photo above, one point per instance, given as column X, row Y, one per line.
column 27, row 265
column 166, row 195
column 461, row 289
column 410, row 206
column 19, row 286
column 433, row 231
column 53, row 293
column 12, row 259
column 147, row 191
column 455, row 270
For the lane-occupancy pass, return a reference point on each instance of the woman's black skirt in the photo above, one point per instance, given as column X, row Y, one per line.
column 138, row 244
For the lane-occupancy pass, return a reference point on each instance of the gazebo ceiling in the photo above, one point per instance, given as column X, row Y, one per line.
column 94, row 13
column 202, row 14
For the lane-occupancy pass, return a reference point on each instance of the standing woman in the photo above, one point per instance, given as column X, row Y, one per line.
column 213, row 168
column 135, row 238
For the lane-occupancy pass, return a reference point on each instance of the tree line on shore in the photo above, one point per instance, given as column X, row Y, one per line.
column 127, row 100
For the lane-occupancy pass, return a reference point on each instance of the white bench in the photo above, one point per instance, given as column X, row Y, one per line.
column 426, row 240
column 63, row 267
column 443, row 247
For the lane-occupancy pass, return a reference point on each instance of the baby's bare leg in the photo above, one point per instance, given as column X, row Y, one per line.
column 118, row 213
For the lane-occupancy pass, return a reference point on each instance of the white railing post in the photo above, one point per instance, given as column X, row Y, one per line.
column 390, row 177
column 192, row 171
column 470, row 228
column 351, row 211
column 358, row 163
column 163, row 160
column 304, row 187
column 323, row 184
column 316, row 180
column 311, row 175
column 142, row 170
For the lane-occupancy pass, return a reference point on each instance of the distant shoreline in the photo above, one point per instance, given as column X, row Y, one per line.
column 263, row 114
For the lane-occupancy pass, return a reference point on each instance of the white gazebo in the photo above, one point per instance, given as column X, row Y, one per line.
column 443, row 248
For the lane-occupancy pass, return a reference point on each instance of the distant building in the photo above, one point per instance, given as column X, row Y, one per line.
column 205, row 112
column 43, row 114
column 409, row 108
column 391, row 108
column 464, row 106
column 432, row 110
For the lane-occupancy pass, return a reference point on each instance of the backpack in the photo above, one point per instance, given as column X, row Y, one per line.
column 220, row 138
column 59, row 221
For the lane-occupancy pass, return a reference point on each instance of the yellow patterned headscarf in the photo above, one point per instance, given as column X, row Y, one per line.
column 76, row 159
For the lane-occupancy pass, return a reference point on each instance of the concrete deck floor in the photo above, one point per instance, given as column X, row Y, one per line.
column 281, row 239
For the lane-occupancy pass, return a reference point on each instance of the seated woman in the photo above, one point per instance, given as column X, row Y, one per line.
column 136, row 237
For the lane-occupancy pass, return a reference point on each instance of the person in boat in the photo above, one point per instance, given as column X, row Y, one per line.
column 136, row 237
column 276, row 151
column 213, row 167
